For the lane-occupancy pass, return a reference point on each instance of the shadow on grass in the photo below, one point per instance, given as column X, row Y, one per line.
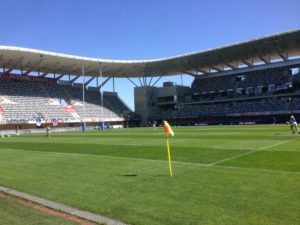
column 129, row 175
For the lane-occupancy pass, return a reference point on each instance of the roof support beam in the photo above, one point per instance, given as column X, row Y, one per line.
column 47, row 72
column 231, row 66
column 113, row 84
column 215, row 68
column 266, row 61
column 27, row 72
column 192, row 74
column 202, row 71
column 133, row 82
column 75, row 78
column 103, row 83
column 150, row 82
column 9, row 70
column 60, row 76
column 140, row 81
column 44, row 74
column 284, row 57
column 247, row 63
column 157, row 81
column 83, row 84
column 90, row 80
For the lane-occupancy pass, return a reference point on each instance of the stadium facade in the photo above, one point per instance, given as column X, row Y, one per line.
column 247, row 82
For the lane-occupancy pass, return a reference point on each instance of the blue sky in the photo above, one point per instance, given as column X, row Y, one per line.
column 137, row 29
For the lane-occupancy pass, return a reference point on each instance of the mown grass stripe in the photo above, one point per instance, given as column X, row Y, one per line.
column 151, row 160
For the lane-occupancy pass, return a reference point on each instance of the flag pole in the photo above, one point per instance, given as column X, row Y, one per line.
column 169, row 156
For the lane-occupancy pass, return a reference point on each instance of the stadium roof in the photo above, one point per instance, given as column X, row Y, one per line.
column 265, row 49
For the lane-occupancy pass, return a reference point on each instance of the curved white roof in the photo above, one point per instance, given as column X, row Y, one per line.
column 280, row 45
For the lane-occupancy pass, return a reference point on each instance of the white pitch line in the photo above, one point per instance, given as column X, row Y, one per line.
column 250, row 152
column 105, row 156
column 149, row 160
column 233, row 157
column 273, row 145
column 228, row 148
column 81, row 154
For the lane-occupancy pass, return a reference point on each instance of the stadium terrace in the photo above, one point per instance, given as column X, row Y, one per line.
column 254, row 81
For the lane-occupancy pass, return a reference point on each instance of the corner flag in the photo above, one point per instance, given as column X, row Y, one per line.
column 168, row 130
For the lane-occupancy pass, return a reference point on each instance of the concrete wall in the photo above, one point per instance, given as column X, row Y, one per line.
column 145, row 102
column 146, row 99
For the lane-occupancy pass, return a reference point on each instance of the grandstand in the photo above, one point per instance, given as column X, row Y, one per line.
column 26, row 100
column 257, row 95
column 250, row 81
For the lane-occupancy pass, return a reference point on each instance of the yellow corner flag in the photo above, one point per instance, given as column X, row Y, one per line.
column 168, row 130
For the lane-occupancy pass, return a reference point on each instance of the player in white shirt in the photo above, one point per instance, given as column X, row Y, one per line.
column 294, row 125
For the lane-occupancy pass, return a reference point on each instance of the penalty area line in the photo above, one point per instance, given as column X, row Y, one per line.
column 250, row 152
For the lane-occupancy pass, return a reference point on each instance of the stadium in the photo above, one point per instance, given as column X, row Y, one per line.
column 255, row 81
column 238, row 174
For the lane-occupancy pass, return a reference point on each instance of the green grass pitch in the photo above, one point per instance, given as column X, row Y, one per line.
column 222, row 175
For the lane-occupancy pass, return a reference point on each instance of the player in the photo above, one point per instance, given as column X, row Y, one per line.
column 274, row 120
column 17, row 130
column 294, row 125
column 48, row 131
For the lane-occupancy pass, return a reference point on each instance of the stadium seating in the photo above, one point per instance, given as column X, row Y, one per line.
column 255, row 83
column 24, row 100
column 266, row 105
column 263, row 92
column 267, row 92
